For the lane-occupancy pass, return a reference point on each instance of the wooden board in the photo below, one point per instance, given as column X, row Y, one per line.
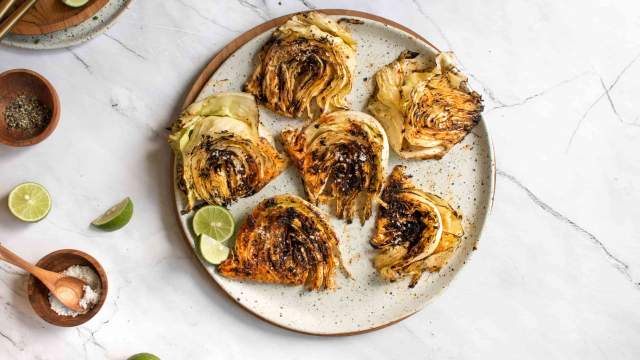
column 52, row 15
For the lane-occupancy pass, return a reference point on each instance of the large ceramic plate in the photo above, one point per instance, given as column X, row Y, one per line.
column 465, row 177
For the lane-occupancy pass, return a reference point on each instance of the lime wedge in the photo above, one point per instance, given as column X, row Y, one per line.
column 29, row 202
column 213, row 251
column 75, row 3
column 143, row 356
column 214, row 221
column 116, row 217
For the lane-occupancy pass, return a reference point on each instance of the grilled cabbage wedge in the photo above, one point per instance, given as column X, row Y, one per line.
column 285, row 240
column 425, row 110
column 415, row 231
column 220, row 154
column 306, row 67
column 342, row 157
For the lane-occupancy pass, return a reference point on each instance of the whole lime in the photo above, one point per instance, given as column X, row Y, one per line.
column 143, row 356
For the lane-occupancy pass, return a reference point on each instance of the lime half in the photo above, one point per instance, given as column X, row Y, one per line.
column 212, row 251
column 116, row 217
column 214, row 221
column 29, row 202
column 143, row 356
column 75, row 3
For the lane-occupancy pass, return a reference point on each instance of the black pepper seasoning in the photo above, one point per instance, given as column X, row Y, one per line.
column 28, row 114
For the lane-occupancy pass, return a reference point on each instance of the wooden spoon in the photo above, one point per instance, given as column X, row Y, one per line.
column 69, row 290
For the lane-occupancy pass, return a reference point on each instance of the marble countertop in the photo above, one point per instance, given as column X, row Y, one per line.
column 557, row 272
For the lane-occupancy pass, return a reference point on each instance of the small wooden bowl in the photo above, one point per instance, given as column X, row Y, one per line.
column 59, row 261
column 14, row 83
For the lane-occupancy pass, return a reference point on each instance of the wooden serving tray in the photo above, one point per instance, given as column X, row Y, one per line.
column 53, row 15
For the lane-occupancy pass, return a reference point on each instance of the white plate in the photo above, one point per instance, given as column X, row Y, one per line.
column 465, row 177
column 73, row 35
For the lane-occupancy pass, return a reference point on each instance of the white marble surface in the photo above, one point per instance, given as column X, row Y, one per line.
column 557, row 273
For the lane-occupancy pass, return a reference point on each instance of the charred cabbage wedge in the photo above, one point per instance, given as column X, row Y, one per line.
column 342, row 158
column 425, row 110
column 306, row 67
column 220, row 154
column 415, row 231
column 285, row 240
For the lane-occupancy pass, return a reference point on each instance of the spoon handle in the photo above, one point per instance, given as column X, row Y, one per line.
column 8, row 256
column 13, row 19
column 5, row 6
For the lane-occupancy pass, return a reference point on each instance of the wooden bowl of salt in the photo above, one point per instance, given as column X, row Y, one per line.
column 60, row 261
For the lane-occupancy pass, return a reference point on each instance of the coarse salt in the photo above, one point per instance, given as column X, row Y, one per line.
column 89, row 298
column 91, row 291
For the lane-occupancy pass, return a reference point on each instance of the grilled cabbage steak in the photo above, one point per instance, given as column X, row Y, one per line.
column 285, row 240
column 342, row 158
column 306, row 67
column 425, row 110
column 220, row 153
column 415, row 231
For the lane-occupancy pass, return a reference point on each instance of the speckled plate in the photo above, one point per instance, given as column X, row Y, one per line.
column 73, row 35
column 465, row 177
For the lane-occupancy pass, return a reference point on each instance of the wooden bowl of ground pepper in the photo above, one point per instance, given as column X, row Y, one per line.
column 29, row 108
